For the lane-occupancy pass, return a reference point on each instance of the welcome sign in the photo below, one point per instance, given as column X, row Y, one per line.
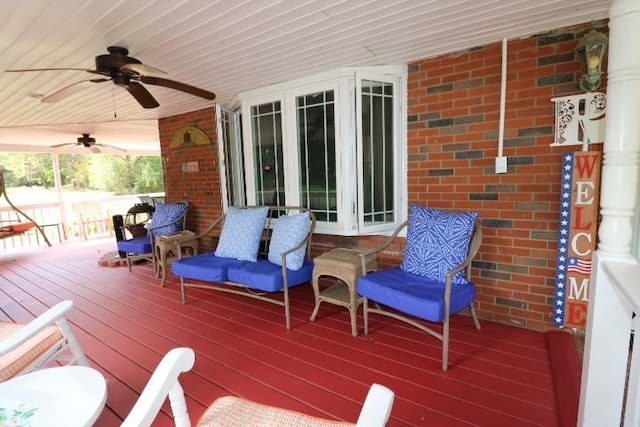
column 577, row 236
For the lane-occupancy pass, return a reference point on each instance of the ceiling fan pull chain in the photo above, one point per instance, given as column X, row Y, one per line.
column 113, row 95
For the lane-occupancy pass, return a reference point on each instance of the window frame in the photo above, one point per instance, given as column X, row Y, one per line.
column 399, row 204
column 230, row 163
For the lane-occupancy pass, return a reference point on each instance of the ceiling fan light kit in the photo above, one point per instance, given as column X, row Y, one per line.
column 124, row 71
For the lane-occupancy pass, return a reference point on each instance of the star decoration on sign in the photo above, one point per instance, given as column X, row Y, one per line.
column 563, row 244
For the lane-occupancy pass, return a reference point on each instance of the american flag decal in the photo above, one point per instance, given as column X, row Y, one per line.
column 576, row 236
column 578, row 265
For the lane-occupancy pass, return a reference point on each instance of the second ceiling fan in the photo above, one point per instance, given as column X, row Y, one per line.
column 117, row 66
column 89, row 142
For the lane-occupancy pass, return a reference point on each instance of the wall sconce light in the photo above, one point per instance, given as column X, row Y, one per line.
column 591, row 51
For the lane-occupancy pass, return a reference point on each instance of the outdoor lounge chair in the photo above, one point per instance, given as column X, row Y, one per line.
column 433, row 281
column 230, row 411
column 48, row 338
column 168, row 218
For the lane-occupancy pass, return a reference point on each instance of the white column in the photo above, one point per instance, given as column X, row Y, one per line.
column 622, row 137
column 611, row 293
column 55, row 158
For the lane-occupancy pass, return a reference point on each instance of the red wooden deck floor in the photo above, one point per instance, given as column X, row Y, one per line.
column 126, row 322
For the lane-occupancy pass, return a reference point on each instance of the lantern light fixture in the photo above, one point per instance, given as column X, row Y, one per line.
column 591, row 51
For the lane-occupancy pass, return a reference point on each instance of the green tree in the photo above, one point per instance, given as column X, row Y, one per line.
column 27, row 169
column 150, row 178
column 103, row 172
column 75, row 170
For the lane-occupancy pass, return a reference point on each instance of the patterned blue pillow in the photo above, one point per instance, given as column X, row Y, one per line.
column 287, row 233
column 165, row 217
column 241, row 233
column 437, row 241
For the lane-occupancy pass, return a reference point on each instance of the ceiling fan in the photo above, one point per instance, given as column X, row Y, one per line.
column 124, row 71
column 89, row 142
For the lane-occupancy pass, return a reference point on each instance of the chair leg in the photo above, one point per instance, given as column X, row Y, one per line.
column 476, row 322
column 129, row 263
column 445, row 344
column 78, row 355
column 365, row 315
column 287, row 315
column 183, row 291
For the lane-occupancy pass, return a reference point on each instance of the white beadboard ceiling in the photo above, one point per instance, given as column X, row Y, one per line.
column 227, row 47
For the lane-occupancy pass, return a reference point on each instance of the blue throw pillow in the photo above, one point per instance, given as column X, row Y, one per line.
column 166, row 216
column 241, row 233
column 437, row 241
column 288, row 232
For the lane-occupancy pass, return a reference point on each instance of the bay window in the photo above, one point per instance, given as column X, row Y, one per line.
column 334, row 143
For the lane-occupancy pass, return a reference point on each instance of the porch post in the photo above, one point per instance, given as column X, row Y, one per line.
column 609, row 317
column 55, row 158
column 622, row 137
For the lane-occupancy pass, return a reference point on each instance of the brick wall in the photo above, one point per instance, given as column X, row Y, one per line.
column 452, row 143
column 201, row 188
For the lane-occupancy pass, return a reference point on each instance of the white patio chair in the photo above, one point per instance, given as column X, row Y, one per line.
column 47, row 338
column 230, row 411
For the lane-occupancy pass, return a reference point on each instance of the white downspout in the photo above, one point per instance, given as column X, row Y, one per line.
column 501, row 161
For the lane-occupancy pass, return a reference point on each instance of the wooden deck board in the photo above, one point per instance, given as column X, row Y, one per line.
column 499, row 376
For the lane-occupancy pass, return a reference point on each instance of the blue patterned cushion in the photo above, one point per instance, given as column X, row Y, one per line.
column 166, row 216
column 437, row 241
column 288, row 232
column 241, row 233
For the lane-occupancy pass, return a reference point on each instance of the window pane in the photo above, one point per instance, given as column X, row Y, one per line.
column 378, row 153
column 234, row 174
column 316, row 142
column 266, row 120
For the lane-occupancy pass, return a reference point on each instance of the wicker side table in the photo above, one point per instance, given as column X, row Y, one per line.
column 165, row 250
column 343, row 264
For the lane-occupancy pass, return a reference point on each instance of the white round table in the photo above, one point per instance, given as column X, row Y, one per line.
column 63, row 396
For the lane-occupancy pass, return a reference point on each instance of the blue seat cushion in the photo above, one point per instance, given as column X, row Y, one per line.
column 137, row 245
column 415, row 295
column 206, row 267
column 267, row 276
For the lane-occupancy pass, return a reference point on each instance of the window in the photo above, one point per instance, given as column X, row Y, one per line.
column 378, row 154
column 317, row 154
column 231, row 161
column 266, row 144
column 333, row 143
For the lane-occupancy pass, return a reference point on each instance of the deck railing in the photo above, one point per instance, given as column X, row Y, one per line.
column 69, row 220
column 610, row 394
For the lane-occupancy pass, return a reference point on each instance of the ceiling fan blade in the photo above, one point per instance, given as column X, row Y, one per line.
column 142, row 95
column 70, row 90
column 66, row 144
column 47, row 69
column 111, row 147
column 172, row 84
column 141, row 69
